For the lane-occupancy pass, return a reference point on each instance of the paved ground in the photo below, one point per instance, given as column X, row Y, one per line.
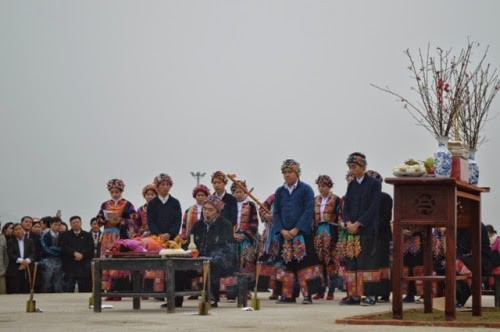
column 70, row 312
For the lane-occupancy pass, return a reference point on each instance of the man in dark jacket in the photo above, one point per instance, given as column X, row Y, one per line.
column 164, row 219
column 230, row 210
column 213, row 237
column 21, row 252
column 164, row 211
column 361, row 216
column 77, row 248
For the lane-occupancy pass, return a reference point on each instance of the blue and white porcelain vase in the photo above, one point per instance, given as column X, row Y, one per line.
column 473, row 168
column 442, row 159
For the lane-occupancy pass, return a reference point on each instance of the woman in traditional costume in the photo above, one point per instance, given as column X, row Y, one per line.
column 148, row 192
column 117, row 215
column 195, row 212
column 326, row 209
column 230, row 211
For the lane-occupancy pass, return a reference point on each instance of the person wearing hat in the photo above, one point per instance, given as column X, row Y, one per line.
column 116, row 215
column 164, row 217
column 195, row 212
column 230, row 211
column 164, row 211
column 148, row 192
column 294, row 219
column 213, row 236
column 326, row 210
column 384, row 240
column 361, row 215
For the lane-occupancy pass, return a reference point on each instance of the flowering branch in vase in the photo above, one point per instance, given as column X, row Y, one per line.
column 478, row 97
column 440, row 81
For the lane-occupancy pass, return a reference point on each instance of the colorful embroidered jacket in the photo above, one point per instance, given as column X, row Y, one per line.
column 249, row 222
column 332, row 207
column 125, row 210
column 188, row 220
column 142, row 219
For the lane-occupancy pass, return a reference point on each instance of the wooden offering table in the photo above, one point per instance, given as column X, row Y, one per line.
column 424, row 203
column 138, row 264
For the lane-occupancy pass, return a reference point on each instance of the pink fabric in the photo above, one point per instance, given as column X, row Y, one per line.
column 496, row 245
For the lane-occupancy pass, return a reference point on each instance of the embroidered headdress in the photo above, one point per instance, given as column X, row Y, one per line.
column 201, row 188
column 324, row 180
column 291, row 164
column 161, row 178
column 234, row 186
column 219, row 175
column 147, row 188
column 356, row 158
column 375, row 174
column 116, row 183
column 215, row 201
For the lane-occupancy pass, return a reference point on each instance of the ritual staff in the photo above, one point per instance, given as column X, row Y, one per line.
column 117, row 215
column 148, row 192
column 326, row 209
column 293, row 220
column 21, row 252
column 268, row 256
column 384, row 240
column 195, row 212
column 164, row 217
column 230, row 211
column 213, row 236
column 361, row 215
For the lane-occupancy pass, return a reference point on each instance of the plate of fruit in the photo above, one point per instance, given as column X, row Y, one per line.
column 411, row 168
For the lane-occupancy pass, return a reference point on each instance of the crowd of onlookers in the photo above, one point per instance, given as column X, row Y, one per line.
column 61, row 256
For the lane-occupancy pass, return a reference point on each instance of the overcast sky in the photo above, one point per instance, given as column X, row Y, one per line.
column 93, row 90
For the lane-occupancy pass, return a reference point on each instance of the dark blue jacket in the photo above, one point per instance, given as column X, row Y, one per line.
column 295, row 210
column 164, row 218
column 362, row 202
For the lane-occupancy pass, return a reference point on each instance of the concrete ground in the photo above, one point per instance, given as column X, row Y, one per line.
column 70, row 312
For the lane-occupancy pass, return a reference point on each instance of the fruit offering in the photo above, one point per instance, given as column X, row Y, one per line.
column 411, row 167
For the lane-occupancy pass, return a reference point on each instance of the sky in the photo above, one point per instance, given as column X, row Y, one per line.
column 94, row 90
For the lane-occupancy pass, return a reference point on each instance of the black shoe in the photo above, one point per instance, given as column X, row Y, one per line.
column 307, row 300
column 213, row 304
column 409, row 299
column 286, row 300
column 349, row 301
column 367, row 301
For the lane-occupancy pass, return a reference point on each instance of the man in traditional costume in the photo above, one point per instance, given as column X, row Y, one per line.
column 230, row 211
column 384, row 240
column 293, row 220
column 213, row 236
column 361, row 214
column 164, row 217
column 326, row 209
